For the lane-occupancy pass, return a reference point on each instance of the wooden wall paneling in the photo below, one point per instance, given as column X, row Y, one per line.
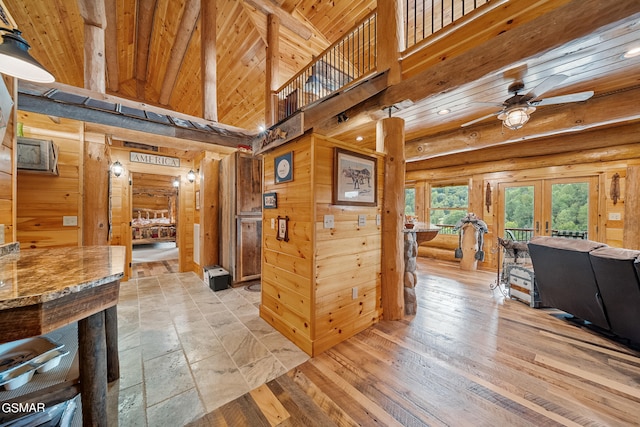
column 227, row 185
column 210, row 211
column 43, row 200
column 631, row 208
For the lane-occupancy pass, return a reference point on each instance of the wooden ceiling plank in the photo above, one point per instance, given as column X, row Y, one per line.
column 287, row 20
column 179, row 48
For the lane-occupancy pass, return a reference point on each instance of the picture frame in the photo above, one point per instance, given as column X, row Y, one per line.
column 269, row 200
column 283, row 168
column 282, row 232
column 354, row 179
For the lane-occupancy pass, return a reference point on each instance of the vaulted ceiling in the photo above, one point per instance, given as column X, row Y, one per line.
column 154, row 57
column 153, row 47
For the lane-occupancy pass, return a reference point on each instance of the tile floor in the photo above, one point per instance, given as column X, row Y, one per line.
column 186, row 350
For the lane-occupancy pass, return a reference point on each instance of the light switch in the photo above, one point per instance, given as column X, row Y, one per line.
column 328, row 221
column 354, row 293
column 378, row 219
column 69, row 221
column 273, row 223
column 362, row 220
column 615, row 216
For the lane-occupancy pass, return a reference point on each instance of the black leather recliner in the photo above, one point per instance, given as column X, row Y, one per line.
column 565, row 279
column 617, row 272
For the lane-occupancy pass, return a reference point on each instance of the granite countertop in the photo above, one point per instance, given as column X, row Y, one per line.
column 34, row 276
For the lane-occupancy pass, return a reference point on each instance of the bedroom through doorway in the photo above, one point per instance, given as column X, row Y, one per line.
column 154, row 221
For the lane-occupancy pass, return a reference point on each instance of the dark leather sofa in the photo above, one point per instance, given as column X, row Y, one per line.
column 590, row 280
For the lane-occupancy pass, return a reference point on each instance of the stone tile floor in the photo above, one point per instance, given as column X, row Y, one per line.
column 186, row 350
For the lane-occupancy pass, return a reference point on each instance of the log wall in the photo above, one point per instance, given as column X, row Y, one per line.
column 508, row 164
column 308, row 281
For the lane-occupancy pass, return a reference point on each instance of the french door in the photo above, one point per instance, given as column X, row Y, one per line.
column 548, row 207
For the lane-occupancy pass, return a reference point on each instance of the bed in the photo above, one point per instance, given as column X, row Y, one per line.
column 151, row 226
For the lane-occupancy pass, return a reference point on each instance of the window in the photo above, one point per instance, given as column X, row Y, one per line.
column 410, row 201
column 448, row 204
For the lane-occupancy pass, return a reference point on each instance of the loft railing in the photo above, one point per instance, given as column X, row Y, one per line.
column 422, row 18
column 345, row 62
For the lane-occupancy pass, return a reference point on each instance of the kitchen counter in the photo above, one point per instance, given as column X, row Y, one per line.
column 44, row 289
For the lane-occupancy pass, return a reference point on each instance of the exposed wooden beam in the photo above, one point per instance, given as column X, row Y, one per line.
column 144, row 26
column 95, row 21
column 180, row 44
column 111, row 47
column 546, row 121
column 575, row 20
column 209, row 49
column 272, row 69
column 286, row 19
column 389, row 38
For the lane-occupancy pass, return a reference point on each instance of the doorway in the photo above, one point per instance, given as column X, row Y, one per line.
column 154, row 219
column 565, row 207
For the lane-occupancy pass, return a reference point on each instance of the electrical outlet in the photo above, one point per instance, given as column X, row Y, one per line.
column 362, row 220
column 328, row 221
column 378, row 220
column 273, row 223
column 615, row 216
column 354, row 293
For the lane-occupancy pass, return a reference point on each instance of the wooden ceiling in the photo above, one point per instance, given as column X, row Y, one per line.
column 518, row 46
column 152, row 38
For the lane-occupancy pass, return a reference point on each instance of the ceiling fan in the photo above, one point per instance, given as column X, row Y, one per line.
column 515, row 111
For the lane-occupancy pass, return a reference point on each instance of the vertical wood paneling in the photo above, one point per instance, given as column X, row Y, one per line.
column 308, row 281
column 8, row 167
column 43, row 200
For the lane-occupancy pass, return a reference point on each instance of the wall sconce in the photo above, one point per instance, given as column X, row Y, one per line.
column 117, row 168
column 191, row 176
column 16, row 61
column 176, row 183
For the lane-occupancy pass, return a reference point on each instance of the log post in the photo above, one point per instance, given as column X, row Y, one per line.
column 390, row 140
column 631, row 200
column 208, row 11
column 111, row 339
column 272, row 69
column 390, row 39
column 95, row 66
column 93, row 370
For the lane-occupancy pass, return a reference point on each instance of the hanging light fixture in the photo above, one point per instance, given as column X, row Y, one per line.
column 516, row 117
column 16, row 61
column 191, row 176
column 117, row 168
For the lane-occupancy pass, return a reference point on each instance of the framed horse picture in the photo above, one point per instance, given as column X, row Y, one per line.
column 354, row 179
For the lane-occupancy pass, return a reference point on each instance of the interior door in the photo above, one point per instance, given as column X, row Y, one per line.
column 565, row 207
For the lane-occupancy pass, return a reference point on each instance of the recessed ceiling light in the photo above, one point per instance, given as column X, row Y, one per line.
column 261, row 128
column 444, row 111
column 632, row 53
column 359, row 138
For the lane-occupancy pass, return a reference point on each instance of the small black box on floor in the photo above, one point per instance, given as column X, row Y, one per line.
column 217, row 277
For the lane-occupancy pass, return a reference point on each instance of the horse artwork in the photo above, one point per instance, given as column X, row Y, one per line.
column 358, row 176
column 355, row 179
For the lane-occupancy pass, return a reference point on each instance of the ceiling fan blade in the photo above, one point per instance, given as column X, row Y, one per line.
column 546, row 86
column 572, row 97
column 480, row 119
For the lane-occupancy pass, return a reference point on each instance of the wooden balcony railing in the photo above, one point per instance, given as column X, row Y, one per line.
column 422, row 18
column 345, row 62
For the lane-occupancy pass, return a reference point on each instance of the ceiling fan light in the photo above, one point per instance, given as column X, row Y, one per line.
column 515, row 118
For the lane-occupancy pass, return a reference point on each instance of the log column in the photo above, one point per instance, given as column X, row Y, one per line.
column 93, row 369
column 272, row 69
column 410, row 276
column 390, row 140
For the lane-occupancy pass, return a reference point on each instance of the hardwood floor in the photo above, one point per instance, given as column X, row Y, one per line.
column 470, row 357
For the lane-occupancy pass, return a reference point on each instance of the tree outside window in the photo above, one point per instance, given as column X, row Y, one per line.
column 448, row 204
